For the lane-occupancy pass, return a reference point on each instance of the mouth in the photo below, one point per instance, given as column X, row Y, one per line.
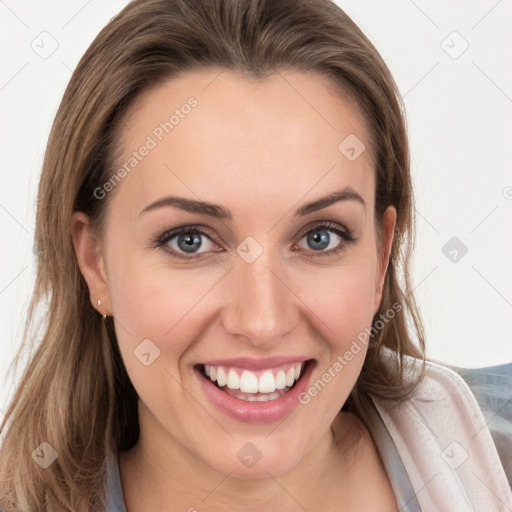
column 255, row 385
column 255, row 395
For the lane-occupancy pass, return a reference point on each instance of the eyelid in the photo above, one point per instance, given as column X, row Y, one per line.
column 330, row 225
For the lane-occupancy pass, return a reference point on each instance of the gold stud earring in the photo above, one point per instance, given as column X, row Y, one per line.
column 99, row 305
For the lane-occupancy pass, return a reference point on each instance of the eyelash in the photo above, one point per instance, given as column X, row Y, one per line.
column 161, row 241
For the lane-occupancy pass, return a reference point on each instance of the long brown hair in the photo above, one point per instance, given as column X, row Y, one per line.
column 75, row 393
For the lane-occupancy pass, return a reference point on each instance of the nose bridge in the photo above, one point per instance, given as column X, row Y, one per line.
column 260, row 305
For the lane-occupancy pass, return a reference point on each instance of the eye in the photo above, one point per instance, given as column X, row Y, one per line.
column 320, row 239
column 185, row 242
column 189, row 242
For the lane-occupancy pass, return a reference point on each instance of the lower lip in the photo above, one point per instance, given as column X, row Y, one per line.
column 257, row 412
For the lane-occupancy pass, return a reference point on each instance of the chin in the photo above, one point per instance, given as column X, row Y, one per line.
column 256, row 458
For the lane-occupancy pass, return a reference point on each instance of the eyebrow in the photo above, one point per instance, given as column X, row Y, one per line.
column 219, row 212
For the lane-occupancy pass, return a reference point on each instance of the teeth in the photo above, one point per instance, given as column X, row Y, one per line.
column 267, row 383
column 233, row 381
column 221, row 376
column 262, row 398
column 290, row 377
column 248, row 382
column 280, row 380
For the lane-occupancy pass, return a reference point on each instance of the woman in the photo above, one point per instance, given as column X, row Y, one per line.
column 224, row 225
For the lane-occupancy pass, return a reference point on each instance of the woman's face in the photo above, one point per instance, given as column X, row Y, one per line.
column 256, row 282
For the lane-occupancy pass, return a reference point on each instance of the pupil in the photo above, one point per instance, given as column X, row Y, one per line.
column 191, row 242
column 321, row 237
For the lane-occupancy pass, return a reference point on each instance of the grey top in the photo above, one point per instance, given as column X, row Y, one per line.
column 115, row 501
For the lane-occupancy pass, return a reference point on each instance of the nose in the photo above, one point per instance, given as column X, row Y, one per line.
column 261, row 307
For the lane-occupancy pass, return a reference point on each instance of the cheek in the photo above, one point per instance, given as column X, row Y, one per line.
column 152, row 301
column 156, row 312
column 152, row 304
column 342, row 298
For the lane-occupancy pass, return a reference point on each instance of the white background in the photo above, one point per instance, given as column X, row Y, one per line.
column 460, row 125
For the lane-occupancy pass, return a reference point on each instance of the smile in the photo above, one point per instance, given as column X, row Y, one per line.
column 253, row 392
column 257, row 385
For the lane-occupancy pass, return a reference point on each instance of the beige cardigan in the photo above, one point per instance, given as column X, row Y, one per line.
column 437, row 449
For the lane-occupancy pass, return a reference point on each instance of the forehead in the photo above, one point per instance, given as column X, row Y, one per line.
column 213, row 133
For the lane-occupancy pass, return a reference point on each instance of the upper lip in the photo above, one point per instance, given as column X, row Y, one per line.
column 252, row 363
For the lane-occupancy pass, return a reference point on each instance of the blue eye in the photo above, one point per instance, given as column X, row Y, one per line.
column 319, row 239
column 189, row 242
column 186, row 239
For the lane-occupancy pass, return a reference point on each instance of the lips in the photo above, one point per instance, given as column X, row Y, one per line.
column 252, row 390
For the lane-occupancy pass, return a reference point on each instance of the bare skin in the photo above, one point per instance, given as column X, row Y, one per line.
column 262, row 150
column 365, row 487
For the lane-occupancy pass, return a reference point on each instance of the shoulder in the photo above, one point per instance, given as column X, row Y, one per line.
column 444, row 442
column 492, row 389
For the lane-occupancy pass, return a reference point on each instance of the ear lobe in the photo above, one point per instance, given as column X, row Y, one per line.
column 388, row 235
column 89, row 255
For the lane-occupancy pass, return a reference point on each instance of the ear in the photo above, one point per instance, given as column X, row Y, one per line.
column 388, row 234
column 89, row 255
